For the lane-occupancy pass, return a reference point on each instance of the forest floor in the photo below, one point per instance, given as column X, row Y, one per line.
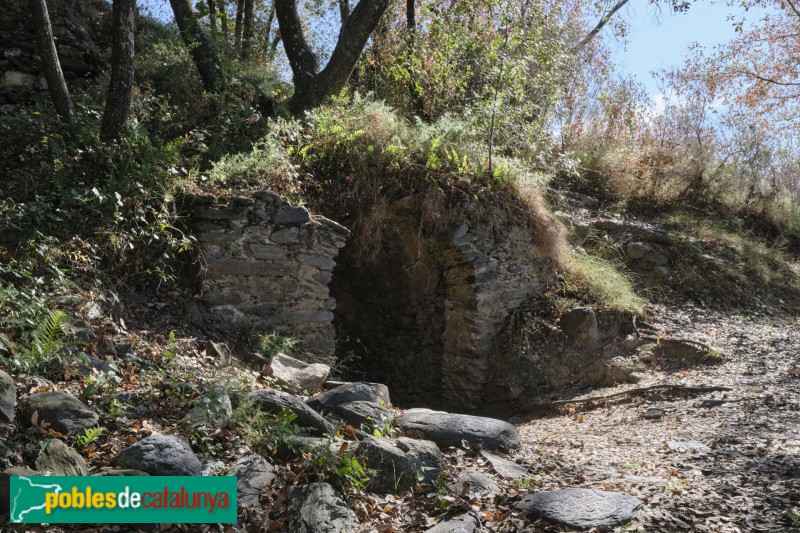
column 719, row 461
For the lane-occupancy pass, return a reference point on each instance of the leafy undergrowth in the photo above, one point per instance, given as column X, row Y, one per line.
column 143, row 370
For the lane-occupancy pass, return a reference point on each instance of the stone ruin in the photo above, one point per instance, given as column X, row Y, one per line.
column 425, row 309
column 81, row 31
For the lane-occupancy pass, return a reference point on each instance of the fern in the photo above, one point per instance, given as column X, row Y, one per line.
column 48, row 338
column 89, row 435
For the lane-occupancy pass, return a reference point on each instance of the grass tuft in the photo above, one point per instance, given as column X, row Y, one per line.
column 604, row 282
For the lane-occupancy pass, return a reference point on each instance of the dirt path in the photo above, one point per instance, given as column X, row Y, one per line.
column 728, row 465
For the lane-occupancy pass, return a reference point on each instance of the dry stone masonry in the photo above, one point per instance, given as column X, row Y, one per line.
column 426, row 309
column 429, row 304
column 81, row 31
column 267, row 268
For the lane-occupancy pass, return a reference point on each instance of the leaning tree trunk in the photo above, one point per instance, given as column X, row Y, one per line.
column 199, row 45
column 52, row 67
column 312, row 86
column 118, row 101
column 247, row 29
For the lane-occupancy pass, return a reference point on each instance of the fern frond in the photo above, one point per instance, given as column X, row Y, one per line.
column 48, row 337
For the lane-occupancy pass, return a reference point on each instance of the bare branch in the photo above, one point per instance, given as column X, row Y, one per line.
column 768, row 80
column 793, row 7
column 603, row 21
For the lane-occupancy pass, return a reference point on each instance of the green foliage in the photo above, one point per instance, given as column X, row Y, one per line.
column 272, row 344
column 89, row 436
column 266, row 166
column 265, row 432
column 100, row 384
column 48, row 349
column 496, row 62
column 343, row 469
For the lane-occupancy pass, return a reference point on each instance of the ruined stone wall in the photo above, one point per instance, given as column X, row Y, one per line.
column 427, row 307
column 81, row 30
column 266, row 267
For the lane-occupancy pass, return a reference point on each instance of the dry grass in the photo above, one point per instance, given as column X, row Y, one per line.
column 604, row 282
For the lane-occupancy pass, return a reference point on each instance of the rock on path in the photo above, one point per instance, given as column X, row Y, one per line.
column 64, row 412
column 320, row 510
column 160, row 455
column 350, row 392
column 448, row 429
column 274, row 401
column 581, row 508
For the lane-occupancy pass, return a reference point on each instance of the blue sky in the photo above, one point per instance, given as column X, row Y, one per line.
column 660, row 40
column 657, row 39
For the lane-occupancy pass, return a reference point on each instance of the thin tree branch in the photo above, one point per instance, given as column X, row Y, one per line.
column 768, row 80
column 603, row 21
column 793, row 7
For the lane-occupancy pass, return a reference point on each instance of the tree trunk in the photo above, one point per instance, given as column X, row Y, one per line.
column 237, row 31
column 417, row 104
column 118, row 101
column 311, row 86
column 199, row 45
column 247, row 29
column 46, row 47
column 344, row 13
column 224, row 20
column 212, row 14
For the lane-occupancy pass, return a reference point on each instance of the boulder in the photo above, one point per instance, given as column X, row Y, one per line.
column 65, row 413
column 362, row 415
column 294, row 446
column 474, row 481
column 8, row 398
column 298, row 376
column 350, row 392
column 580, row 325
column 160, row 455
column 212, row 409
column 466, row 523
column 253, row 473
column 400, row 464
column 581, row 508
column 318, row 509
column 292, row 215
column 505, row 468
column 58, row 459
column 274, row 401
column 449, row 429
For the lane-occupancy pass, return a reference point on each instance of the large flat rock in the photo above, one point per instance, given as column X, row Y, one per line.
column 581, row 508
column 64, row 412
column 367, row 416
column 274, row 401
column 318, row 509
column 58, row 459
column 350, row 392
column 466, row 523
column 253, row 473
column 449, row 429
column 298, row 376
column 399, row 464
column 160, row 455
